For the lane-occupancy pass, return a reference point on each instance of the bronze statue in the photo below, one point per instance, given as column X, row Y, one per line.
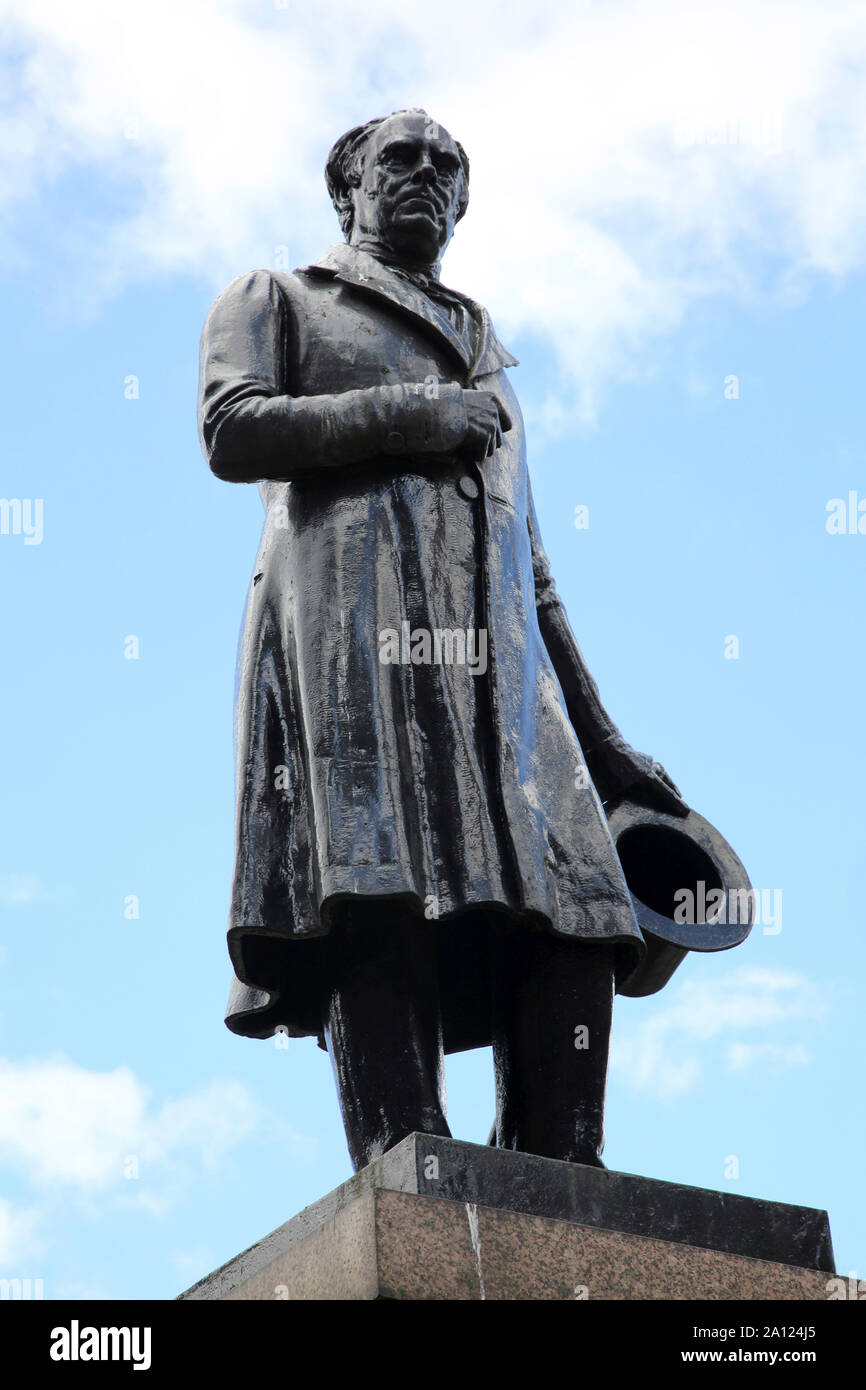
column 424, row 862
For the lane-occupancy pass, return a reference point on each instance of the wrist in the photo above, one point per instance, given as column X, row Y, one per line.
column 423, row 417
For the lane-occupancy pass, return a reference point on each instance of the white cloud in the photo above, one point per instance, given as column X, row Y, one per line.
column 655, row 151
column 70, row 1133
column 19, row 1241
column 664, row 1054
column 19, row 888
column 742, row 1056
column 62, row 1124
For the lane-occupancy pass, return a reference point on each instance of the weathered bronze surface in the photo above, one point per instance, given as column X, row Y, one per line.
column 424, row 863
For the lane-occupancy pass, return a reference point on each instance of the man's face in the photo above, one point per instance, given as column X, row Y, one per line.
column 410, row 189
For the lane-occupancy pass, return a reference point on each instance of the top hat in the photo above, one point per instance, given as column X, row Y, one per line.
column 689, row 889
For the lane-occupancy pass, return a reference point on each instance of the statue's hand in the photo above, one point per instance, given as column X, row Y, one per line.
column 487, row 420
column 619, row 770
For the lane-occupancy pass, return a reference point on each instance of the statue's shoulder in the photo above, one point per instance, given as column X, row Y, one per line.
column 261, row 300
column 257, row 286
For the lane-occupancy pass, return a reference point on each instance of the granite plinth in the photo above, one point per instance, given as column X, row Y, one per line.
column 457, row 1177
column 396, row 1245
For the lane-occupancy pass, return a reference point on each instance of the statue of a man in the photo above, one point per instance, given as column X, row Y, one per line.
column 423, row 859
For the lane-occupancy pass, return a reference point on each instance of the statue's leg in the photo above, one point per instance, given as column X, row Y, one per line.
column 553, row 1008
column 383, row 1028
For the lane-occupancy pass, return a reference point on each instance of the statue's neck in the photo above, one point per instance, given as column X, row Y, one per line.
column 429, row 270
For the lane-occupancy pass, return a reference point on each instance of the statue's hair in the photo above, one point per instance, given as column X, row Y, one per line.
column 343, row 167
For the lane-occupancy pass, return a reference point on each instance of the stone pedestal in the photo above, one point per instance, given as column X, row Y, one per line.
column 439, row 1219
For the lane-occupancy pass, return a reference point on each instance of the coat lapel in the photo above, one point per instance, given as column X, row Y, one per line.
column 490, row 355
column 365, row 273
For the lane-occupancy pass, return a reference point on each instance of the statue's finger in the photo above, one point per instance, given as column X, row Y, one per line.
column 669, row 797
column 667, row 779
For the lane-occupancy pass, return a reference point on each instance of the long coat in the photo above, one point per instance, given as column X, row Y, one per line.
column 459, row 788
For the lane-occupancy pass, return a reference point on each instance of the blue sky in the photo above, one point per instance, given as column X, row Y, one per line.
column 695, row 211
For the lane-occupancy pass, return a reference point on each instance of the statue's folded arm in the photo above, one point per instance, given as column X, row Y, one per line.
column 251, row 429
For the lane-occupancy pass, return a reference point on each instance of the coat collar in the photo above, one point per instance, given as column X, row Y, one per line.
column 365, row 272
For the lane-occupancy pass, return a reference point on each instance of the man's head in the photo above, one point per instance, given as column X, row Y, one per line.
column 401, row 183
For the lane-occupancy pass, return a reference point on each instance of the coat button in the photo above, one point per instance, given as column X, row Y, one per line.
column 394, row 442
column 468, row 488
